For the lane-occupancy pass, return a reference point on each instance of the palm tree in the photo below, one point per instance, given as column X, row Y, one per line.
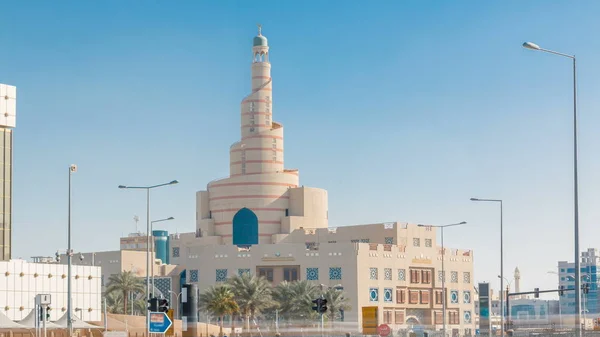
column 218, row 301
column 336, row 301
column 253, row 295
column 114, row 302
column 303, row 292
column 124, row 283
column 283, row 294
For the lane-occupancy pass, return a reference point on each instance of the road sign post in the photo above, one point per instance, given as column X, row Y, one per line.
column 384, row 330
column 171, row 329
column 159, row 322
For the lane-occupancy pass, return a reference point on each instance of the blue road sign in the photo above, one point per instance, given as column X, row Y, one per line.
column 159, row 322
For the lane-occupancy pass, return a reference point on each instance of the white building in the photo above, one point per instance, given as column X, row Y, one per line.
column 21, row 281
column 590, row 265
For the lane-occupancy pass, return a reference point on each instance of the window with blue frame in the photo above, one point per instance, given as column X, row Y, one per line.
column 570, row 270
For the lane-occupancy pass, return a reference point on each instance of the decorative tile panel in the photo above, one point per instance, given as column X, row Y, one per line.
column 467, row 296
column 416, row 242
column 427, row 242
column 387, row 294
column 387, row 274
column 454, row 277
column 373, row 294
column 162, row 285
column 454, row 296
column 365, row 240
column 373, row 273
column 467, row 317
column 335, row 273
column 401, row 274
column 441, row 276
column 466, row 277
column 243, row 271
column 312, row 274
column 221, row 275
column 194, row 275
column 175, row 252
column 389, row 240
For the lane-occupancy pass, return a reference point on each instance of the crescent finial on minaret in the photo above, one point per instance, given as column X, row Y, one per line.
column 259, row 29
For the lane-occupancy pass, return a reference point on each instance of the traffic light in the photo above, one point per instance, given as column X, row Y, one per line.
column 57, row 256
column 561, row 291
column 163, row 305
column 41, row 314
column 586, row 288
column 320, row 305
column 536, row 293
column 317, row 305
column 323, row 307
column 153, row 304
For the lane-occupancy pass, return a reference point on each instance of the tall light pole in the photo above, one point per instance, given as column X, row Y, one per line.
column 441, row 227
column 148, row 188
column 176, row 303
column 534, row 46
column 154, row 255
column 507, row 299
column 501, row 259
column 72, row 169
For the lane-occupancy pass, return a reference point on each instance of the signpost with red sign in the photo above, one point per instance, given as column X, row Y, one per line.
column 384, row 330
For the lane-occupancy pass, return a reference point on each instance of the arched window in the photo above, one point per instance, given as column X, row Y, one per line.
column 245, row 228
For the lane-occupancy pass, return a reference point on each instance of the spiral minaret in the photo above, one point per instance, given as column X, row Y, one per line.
column 253, row 204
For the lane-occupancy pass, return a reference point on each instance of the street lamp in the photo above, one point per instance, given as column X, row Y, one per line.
column 72, row 169
column 443, row 270
column 152, row 233
column 501, row 259
column 177, row 302
column 148, row 188
column 533, row 46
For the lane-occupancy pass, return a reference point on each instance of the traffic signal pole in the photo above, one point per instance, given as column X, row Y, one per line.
column 537, row 293
column 321, row 304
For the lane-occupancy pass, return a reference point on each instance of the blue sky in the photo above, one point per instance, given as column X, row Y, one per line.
column 402, row 110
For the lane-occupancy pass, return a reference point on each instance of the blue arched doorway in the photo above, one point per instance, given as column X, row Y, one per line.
column 245, row 228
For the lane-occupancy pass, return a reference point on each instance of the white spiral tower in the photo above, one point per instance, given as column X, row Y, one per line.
column 258, row 185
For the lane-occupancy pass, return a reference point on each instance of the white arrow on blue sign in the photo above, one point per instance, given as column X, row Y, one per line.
column 159, row 322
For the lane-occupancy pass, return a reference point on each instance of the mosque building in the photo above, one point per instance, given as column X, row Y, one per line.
column 260, row 220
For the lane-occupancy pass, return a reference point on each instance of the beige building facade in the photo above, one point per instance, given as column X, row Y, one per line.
column 118, row 261
column 261, row 220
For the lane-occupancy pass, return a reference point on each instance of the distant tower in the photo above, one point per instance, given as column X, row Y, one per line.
column 136, row 219
column 8, row 102
column 517, row 280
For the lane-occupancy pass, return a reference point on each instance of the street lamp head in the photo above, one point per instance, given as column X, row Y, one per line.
column 122, row 186
column 420, row 225
column 531, row 45
column 462, row 223
column 170, row 218
column 174, row 182
column 474, row 199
